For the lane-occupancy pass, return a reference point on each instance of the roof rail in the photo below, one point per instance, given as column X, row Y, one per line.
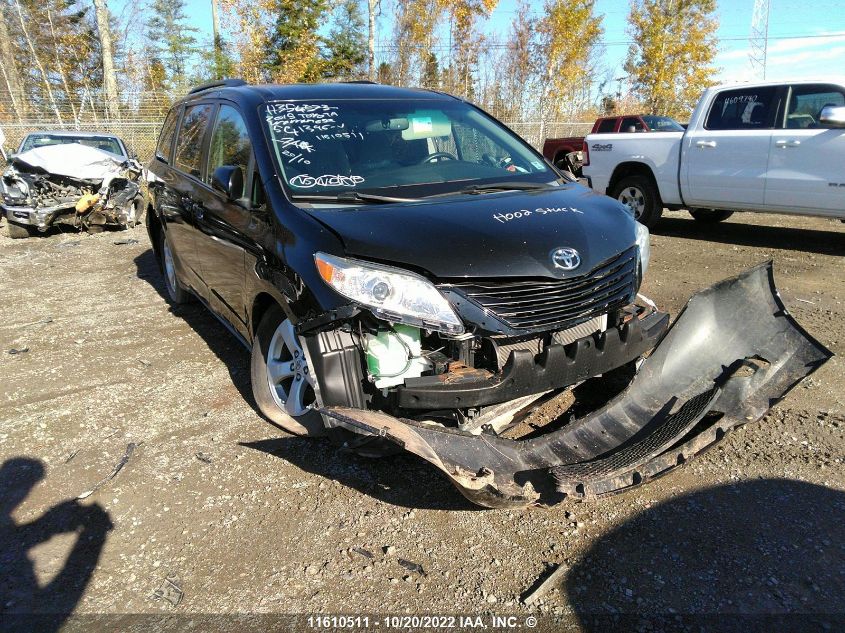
column 359, row 81
column 223, row 83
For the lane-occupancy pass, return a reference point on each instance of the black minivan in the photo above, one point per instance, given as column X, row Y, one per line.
column 394, row 256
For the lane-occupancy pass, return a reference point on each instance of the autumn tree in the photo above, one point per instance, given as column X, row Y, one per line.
column 172, row 38
column 567, row 61
column 517, row 68
column 466, row 41
column 671, row 60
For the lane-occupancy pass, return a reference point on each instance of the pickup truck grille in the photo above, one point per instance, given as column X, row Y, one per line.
column 551, row 304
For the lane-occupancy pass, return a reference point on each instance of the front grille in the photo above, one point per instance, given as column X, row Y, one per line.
column 532, row 304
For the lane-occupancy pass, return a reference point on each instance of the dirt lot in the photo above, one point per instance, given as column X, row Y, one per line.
column 244, row 518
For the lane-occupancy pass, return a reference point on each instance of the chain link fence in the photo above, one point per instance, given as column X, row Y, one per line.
column 138, row 117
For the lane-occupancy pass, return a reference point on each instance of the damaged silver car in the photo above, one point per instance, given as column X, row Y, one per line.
column 88, row 181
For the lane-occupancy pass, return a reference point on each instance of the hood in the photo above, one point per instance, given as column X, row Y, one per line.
column 70, row 159
column 509, row 234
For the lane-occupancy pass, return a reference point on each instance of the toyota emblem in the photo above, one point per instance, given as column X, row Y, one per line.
column 566, row 258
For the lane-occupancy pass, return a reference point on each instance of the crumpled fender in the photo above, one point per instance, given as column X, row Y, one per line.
column 732, row 353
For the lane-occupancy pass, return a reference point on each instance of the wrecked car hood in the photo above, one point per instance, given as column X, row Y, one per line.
column 510, row 234
column 72, row 160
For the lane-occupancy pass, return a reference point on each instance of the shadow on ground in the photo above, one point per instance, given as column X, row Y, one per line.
column 219, row 340
column 735, row 232
column 402, row 480
column 26, row 604
column 749, row 549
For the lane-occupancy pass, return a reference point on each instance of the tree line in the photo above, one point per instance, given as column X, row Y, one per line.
column 68, row 59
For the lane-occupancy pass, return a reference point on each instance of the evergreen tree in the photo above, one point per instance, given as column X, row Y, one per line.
column 346, row 48
column 295, row 53
column 172, row 39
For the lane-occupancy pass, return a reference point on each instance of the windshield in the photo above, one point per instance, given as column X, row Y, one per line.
column 105, row 143
column 662, row 124
column 403, row 148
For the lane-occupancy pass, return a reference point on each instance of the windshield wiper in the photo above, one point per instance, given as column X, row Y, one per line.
column 496, row 186
column 351, row 196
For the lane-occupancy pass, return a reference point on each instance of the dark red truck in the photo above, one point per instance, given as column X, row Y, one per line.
column 567, row 153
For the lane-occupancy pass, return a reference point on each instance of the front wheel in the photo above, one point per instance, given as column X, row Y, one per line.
column 639, row 194
column 710, row 216
column 16, row 231
column 283, row 384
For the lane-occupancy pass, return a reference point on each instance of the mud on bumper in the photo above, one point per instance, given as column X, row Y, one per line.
column 732, row 352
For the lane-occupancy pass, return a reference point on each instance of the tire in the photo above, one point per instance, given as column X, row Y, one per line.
column 175, row 291
column 279, row 370
column 639, row 193
column 17, row 232
column 710, row 216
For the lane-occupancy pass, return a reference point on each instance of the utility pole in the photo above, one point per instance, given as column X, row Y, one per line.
column 759, row 39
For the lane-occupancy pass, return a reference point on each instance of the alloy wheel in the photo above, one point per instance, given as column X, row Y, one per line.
column 291, row 381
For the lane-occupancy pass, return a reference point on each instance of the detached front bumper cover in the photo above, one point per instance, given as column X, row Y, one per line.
column 732, row 352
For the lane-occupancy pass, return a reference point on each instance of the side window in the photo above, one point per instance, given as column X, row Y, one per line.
column 631, row 124
column 807, row 102
column 164, row 149
column 606, row 126
column 743, row 109
column 189, row 142
column 230, row 144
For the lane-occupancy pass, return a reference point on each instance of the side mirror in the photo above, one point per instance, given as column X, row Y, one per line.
column 228, row 180
column 833, row 116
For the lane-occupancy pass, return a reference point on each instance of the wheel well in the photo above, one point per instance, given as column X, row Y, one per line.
column 623, row 170
column 260, row 305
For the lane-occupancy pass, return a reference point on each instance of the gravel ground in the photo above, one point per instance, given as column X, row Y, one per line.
column 217, row 511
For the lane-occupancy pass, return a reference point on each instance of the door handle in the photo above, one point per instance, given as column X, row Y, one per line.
column 705, row 144
column 784, row 144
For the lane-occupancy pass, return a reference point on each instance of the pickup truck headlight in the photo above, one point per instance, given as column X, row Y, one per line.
column 390, row 294
column 644, row 246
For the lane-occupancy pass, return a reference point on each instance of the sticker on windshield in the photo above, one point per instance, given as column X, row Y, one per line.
column 304, row 181
column 422, row 125
column 536, row 164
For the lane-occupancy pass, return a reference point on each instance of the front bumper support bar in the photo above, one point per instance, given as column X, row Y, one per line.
column 732, row 352
column 556, row 367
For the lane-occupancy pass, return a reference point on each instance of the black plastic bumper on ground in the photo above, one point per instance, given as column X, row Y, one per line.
column 732, row 352
column 556, row 367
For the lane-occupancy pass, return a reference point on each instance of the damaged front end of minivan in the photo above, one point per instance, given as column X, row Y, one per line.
column 460, row 400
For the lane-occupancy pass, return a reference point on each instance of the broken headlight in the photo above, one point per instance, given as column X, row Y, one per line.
column 390, row 294
column 644, row 247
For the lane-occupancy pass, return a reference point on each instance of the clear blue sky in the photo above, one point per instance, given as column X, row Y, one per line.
column 791, row 52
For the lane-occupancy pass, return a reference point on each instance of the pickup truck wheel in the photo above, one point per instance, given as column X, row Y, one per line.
column 640, row 195
column 177, row 293
column 16, row 231
column 710, row 216
column 282, row 382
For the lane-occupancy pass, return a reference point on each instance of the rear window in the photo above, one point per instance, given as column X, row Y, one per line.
column 165, row 139
column 104, row 143
column 631, row 124
column 752, row 108
column 606, row 126
column 191, row 135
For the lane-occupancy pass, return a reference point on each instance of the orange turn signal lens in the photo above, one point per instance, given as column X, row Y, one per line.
column 325, row 269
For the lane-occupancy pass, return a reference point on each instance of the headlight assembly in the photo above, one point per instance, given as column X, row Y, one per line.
column 390, row 294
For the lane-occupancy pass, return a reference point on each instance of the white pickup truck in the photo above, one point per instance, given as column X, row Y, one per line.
column 776, row 147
